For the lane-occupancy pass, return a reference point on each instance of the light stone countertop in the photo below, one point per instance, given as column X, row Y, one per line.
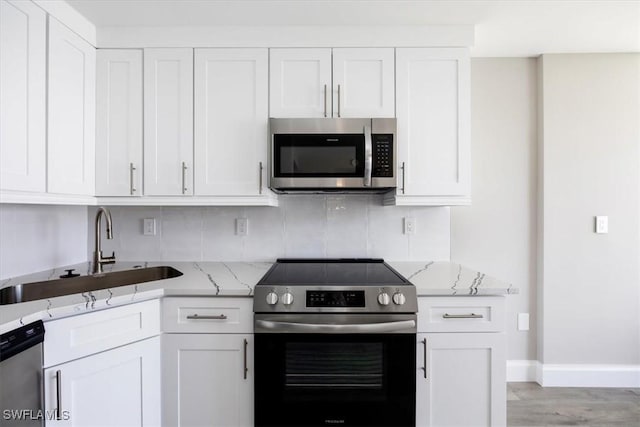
column 233, row 279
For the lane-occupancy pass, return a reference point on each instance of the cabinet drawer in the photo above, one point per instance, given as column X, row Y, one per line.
column 461, row 314
column 85, row 334
column 207, row 315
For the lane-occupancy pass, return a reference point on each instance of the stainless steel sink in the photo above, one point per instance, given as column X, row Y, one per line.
column 75, row 285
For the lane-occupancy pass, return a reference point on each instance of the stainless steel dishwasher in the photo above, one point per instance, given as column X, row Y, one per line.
column 21, row 392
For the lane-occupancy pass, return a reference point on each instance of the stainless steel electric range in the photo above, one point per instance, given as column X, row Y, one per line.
column 335, row 344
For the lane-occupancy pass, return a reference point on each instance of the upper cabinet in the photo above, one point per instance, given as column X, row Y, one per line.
column 71, row 121
column 347, row 82
column 231, row 120
column 119, row 122
column 23, row 41
column 432, row 94
column 168, row 122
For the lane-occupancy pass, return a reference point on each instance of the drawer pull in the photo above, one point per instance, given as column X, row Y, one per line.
column 462, row 316
column 246, row 368
column 196, row 317
column 424, row 366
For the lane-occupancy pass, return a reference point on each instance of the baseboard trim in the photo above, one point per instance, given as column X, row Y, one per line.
column 573, row 375
column 565, row 375
column 522, row 371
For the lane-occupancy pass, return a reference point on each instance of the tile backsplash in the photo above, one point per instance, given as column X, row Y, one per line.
column 302, row 226
column 40, row 237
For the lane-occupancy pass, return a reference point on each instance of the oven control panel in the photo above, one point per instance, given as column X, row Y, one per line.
column 335, row 299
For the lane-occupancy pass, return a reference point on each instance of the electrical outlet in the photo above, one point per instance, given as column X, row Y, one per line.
column 409, row 225
column 242, row 226
column 602, row 224
column 523, row 321
column 149, row 226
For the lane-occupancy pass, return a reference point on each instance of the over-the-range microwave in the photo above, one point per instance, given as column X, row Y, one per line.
column 329, row 155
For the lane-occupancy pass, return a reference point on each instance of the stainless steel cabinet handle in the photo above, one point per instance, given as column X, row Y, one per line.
column 132, row 188
column 368, row 156
column 338, row 100
column 424, row 360
column 344, row 329
column 184, row 178
column 402, row 188
column 462, row 316
column 260, row 184
column 325, row 100
column 246, row 369
column 59, row 395
column 197, row 317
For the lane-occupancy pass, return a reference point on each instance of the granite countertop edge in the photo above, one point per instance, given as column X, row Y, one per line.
column 223, row 279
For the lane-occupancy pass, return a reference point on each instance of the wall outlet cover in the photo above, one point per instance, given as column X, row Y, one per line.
column 242, row 226
column 602, row 224
column 149, row 226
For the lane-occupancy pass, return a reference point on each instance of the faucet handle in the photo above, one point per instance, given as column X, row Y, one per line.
column 110, row 259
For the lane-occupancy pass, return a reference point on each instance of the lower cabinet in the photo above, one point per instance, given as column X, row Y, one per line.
column 118, row 387
column 461, row 361
column 461, row 380
column 207, row 380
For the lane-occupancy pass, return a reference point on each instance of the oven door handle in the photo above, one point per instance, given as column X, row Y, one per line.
column 369, row 328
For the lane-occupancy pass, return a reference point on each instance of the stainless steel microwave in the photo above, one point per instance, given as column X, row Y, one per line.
column 324, row 155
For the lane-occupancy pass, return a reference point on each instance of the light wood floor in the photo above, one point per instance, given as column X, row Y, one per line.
column 530, row 405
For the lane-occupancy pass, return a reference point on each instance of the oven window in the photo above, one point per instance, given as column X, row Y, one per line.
column 318, row 155
column 356, row 366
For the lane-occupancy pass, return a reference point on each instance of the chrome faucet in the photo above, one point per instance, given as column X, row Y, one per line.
column 98, row 259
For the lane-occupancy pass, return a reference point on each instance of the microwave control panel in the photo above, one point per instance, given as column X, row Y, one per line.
column 382, row 145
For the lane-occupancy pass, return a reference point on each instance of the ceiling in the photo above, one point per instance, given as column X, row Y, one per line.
column 502, row 28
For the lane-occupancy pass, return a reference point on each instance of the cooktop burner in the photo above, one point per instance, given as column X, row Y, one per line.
column 333, row 272
column 345, row 285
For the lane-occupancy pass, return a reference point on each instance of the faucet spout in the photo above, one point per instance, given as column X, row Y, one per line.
column 98, row 259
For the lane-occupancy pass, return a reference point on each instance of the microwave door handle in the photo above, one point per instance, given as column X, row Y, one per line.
column 368, row 156
column 317, row 328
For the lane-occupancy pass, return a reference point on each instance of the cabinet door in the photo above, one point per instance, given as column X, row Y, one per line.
column 119, row 122
column 364, row 82
column 464, row 383
column 168, row 122
column 23, row 53
column 300, row 83
column 207, row 380
column 231, row 118
column 120, row 387
column 432, row 94
column 71, row 121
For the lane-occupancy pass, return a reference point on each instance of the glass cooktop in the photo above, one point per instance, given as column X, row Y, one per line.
column 333, row 272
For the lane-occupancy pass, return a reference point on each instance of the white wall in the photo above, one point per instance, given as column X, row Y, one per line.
column 35, row 238
column 302, row 226
column 590, row 300
column 497, row 233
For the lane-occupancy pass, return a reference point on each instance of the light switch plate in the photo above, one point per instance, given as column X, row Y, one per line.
column 149, row 226
column 523, row 321
column 602, row 224
column 242, row 226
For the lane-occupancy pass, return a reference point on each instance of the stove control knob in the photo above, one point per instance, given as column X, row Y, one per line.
column 383, row 298
column 272, row 298
column 287, row 298
column 399, row 298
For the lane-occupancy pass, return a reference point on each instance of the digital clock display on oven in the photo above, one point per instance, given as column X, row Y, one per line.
column 335, row 299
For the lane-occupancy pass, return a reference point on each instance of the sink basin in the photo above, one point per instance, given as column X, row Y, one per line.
column 75, row 285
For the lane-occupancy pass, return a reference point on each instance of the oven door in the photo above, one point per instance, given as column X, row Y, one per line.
column 359, row 371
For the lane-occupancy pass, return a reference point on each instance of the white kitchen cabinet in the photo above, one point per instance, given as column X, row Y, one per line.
column 300, row 82
column 119, row 387
column 71, row 112
column 23, row 53
column 461, row 358
column 464, row 382
column 119, row 122
column 363, row 82
column 207, row 380
column 318, row 82
column 231, row 122
column 168, row 122
column 432, row 106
